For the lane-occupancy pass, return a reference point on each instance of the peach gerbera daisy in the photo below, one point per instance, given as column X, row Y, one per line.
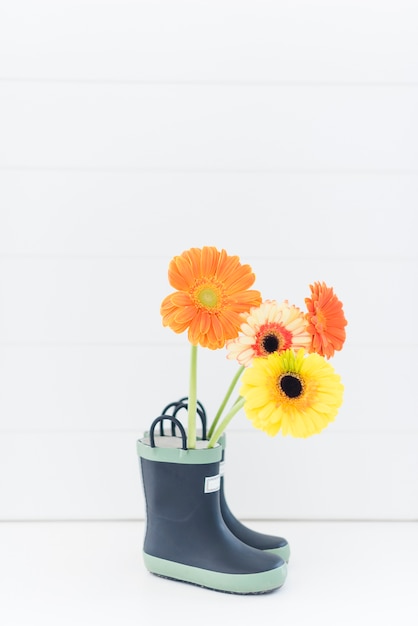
column 269, row 328
column 326, row 320
column 212, row 293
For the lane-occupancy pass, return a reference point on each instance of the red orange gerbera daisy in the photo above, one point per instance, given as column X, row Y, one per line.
column 212, row 291
column 326, row 320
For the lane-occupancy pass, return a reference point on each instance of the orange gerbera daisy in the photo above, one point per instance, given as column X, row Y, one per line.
column 212, row 293
column 326, row 320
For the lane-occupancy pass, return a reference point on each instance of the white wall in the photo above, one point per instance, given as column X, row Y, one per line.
column 285, row 132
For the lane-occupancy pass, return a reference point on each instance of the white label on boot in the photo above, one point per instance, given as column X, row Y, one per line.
column 212, row 483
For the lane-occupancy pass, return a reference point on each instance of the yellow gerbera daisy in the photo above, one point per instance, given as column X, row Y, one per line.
column 269, row 328
column 212, row 293
column 295, row 392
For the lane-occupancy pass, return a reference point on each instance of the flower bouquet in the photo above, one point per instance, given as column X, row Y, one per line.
column 287, row 385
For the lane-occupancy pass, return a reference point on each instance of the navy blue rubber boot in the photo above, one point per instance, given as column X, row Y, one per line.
column 261, row 541
column 186, row 537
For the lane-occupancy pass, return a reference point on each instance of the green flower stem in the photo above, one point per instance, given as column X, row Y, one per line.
column 218, row 432
column 192, row 400
column 225, row 400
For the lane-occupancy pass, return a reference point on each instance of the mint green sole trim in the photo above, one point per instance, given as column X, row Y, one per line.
column 284, row 552
column 247, row 584
column 192, row 456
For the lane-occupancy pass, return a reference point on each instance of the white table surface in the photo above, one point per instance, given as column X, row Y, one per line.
column 91, row 573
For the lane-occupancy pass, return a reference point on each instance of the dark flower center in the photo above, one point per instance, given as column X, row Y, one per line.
column 270, row 343
column 291, row 386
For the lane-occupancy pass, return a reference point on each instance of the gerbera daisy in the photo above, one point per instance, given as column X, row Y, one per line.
column 297, row 393
column 212, row 293
column 326, row 320
column 269, row 328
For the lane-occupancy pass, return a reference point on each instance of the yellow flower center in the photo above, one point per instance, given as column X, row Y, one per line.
column 320, row 321
column 208, row 296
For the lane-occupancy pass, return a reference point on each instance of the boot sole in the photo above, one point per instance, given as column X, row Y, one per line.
column 244, row 584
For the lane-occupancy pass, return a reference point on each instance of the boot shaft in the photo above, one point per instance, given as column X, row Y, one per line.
column 176, row 491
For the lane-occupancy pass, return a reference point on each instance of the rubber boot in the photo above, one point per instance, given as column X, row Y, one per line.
column 261, row 541
column 186, row 538
column 270, row 543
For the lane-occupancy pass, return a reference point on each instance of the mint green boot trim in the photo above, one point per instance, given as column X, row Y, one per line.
column 284, row 552
column 261, row 582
